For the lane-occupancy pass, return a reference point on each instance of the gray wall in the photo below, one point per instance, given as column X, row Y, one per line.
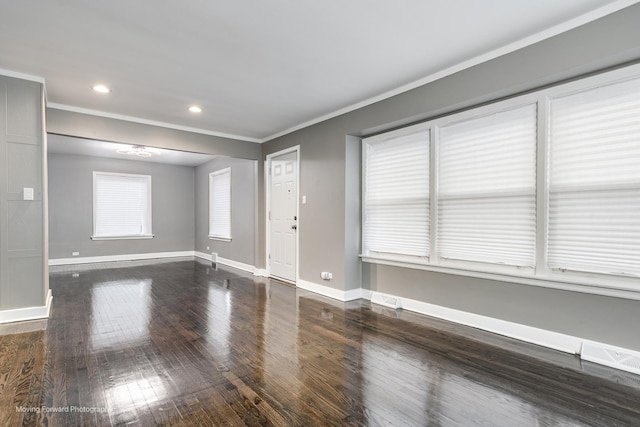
column 23, row 231
column 107, row 129
column 71, row 207
column 328, row 161
column 242, row 247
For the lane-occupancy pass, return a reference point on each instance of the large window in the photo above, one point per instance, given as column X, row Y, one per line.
column 487, row 188
column 396, row 214
column 121, row 206
column 220, row 204
column 544, row 186
column 594, row 182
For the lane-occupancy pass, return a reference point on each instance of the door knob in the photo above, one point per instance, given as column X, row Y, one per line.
column 294, row 227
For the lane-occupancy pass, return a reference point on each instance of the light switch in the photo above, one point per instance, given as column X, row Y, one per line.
column 304, row 200
column 27, row 194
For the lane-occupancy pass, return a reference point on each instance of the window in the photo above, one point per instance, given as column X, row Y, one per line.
column 396, row 213
column 543, row 188
column 487, row 188
column 594, row 182
column 220, row 204
column 121, row 206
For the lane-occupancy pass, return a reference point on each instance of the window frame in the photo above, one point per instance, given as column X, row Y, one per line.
column 399, row 133
column 149, row 234
column 212, row 175
column 541, row 275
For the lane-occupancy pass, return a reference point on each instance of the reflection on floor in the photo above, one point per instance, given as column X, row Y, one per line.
column 182, row 343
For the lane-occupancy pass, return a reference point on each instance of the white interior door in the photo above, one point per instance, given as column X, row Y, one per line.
column 283, row 216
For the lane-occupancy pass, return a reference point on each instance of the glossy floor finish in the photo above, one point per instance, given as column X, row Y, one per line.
column 180, row 343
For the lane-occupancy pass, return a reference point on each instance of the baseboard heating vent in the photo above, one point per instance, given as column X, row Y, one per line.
column 214, row 257
column 608, row 355
column 386, row 300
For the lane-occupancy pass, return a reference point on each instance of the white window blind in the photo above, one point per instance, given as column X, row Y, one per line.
column 594, row 180
column 122, row 205
column 396, row 194
column 220, row 204
column 486, row 188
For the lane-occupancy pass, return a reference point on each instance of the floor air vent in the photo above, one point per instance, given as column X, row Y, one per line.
column 385, row 300
column 615, row 357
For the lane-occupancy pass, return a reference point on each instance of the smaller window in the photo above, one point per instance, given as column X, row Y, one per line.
column 220, row 204
column 121, row 206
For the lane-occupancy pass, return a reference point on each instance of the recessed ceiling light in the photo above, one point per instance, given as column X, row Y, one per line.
column 101, row 89
column 195, row 109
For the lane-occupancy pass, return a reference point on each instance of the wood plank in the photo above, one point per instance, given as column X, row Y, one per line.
column 178, row 343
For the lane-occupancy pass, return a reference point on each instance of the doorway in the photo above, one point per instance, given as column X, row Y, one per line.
column 282, row 214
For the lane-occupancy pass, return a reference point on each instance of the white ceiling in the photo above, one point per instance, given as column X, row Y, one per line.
column 261, row 68
column 60, row 144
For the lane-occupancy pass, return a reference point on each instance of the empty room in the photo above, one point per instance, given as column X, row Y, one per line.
column 320, row 213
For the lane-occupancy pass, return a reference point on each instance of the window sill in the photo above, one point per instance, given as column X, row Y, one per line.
column 611, row 286
column 146, row 236
column 220, row 239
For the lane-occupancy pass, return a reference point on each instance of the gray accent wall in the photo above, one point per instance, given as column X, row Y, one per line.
column 23, row 230
column 242, row 247
column 71, row 207
column 328, row 229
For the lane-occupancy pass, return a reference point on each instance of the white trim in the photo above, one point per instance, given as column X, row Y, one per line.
column 125, row 257
column 322, row 290
column 105, row 114
column 267, row 183
column 236, row 264
column 260, row 272
column 591, row 351
column 358, row 293
column 27, row 313
column 149, row 236
column 542, row 337
column 220, row 239
column 512, row 47
column 202, row 255
column 227, row 262
column 588, row 285
column 22, row 76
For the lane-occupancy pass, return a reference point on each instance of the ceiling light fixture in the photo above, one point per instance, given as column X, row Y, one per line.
column 195, row 109
column 101, row 89
column 136, row 150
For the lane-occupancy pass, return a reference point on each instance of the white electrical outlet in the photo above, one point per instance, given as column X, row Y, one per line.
column 325, row 275
column 75, row 253
column 207, row 247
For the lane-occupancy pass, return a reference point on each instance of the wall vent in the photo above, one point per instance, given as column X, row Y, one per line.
column 608, row 355
column 386, row 300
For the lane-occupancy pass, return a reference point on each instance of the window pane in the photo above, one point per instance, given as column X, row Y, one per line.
column 122, row 205
column 594, row 180
column 220, row 204
column 396, row 201
column 486, row 188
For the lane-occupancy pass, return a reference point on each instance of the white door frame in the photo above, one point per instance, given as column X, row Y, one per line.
column 267, row 181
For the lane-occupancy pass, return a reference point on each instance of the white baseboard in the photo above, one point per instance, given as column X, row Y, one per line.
column 327, row 291
column 604, row 354
column 125, row 257
column 260, row 272
column 27, row 313
column 228, row 262
column 202, row 255
column 549, row 339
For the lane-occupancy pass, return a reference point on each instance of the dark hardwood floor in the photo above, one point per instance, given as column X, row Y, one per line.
column 180, row 343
